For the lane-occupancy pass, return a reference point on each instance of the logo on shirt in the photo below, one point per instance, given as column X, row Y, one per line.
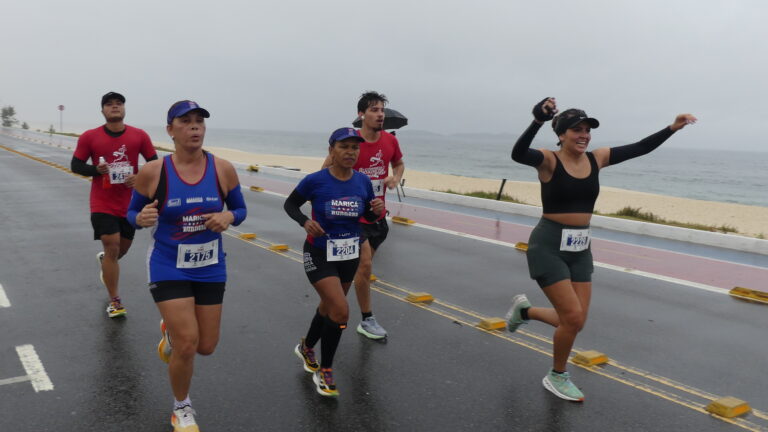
column 120, row 154
column 343, row 207
column 194, row 200
column 174, row 202
column 209, row 199
column 377, row 169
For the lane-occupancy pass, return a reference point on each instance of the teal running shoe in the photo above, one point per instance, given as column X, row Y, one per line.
column 514, row 320
column 562, row 386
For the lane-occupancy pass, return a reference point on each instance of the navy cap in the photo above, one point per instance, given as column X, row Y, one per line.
column 112, row 95
column 341, row 134
column 182, row 107
column 570, row 118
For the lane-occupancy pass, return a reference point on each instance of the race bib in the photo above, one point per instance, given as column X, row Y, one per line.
column 118, row 174
column 197, row 255
column 342, row 249
column 574, row 240
column 378, row 187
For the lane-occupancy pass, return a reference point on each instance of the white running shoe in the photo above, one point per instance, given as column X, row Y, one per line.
column 100, row 259
column 183, row 420
column 371, row 329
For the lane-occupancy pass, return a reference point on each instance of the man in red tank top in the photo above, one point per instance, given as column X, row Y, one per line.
column 379, row 150
column 114, row 150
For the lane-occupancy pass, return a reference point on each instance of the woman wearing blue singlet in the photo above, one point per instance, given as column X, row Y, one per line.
column 339, row 197
column 559, row 254
column 182, row 196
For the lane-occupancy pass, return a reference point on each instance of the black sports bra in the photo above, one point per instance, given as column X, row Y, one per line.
column 564, row 193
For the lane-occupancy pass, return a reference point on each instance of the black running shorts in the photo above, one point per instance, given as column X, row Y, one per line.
column 376, row 232
column 105, row 224
column 205, row 293
column 317, row 267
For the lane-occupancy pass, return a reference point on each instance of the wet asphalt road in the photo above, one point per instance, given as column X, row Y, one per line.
column 436, row 371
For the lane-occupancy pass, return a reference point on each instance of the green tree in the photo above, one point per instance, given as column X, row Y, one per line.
column 24, row 125
column 8, row 115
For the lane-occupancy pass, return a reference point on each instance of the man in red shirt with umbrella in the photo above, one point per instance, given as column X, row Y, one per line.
column 379, row 150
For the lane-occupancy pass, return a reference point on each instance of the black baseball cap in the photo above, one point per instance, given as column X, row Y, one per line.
column 112, row 95
column 570, row 118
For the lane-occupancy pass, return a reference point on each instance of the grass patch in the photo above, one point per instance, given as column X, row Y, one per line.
column 486, row 195
column 71, row 134
column 631, row 213
column 634, row 213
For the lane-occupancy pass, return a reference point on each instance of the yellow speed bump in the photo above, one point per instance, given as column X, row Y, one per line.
column 279, row 247
column 590, row 358
column 521, row 246
column 253, row 168
column 402, row 220
column 420, row 297
column 247, row 236
column 749, row 294
column 257, row 189
column 492, row 323
column 728, row 407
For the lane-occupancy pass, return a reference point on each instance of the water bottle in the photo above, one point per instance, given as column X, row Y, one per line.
column 105, row 183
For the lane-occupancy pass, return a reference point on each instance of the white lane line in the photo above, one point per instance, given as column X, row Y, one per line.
column 683, row 282
column 663, row 278
column 4, row 302
column 14, row 380
column 34, row 368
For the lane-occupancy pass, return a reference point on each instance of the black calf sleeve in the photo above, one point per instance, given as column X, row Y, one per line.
column 315, row 330
column 330, row 341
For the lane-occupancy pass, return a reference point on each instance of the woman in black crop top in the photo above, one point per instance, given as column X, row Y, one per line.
column 559, row 254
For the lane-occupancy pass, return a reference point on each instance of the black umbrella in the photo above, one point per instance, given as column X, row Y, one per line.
column 392, row 120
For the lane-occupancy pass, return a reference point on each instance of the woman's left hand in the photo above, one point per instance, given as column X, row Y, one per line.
column 681, row 121
column 377, row 206
column 218, row 222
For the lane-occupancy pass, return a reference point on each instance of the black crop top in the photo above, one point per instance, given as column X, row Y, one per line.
column 564, row 193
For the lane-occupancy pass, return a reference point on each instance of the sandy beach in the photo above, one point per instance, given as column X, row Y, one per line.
column 748, row 220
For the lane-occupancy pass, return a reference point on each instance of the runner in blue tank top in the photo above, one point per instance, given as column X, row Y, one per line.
column 339, row 197
column 182, row 196
column 181, row 222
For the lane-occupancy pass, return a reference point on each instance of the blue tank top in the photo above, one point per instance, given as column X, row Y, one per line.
column 182, row 248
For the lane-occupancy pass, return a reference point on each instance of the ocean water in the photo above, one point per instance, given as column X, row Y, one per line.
column 726, row 176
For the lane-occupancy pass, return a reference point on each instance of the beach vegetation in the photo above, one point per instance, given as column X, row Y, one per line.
column 486, row 195
column 24, row 125
column 635, row 213
column 8, row 116
column 63, row 133
column 631, row 213
column 51, row 130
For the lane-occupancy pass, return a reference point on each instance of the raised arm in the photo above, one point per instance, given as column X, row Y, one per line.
column 522, row 151
column 648, row 144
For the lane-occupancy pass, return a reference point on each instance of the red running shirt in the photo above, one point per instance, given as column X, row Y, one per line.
column 374, row 161
column 122, row 155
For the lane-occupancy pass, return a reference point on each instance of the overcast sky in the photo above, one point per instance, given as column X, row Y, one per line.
column 450, row 66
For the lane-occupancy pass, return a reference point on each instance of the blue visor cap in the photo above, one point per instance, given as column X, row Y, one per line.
column 180, row 108
column 341, row 134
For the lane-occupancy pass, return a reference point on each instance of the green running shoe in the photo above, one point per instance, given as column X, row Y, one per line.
column 514, row 320
column 562, row 386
